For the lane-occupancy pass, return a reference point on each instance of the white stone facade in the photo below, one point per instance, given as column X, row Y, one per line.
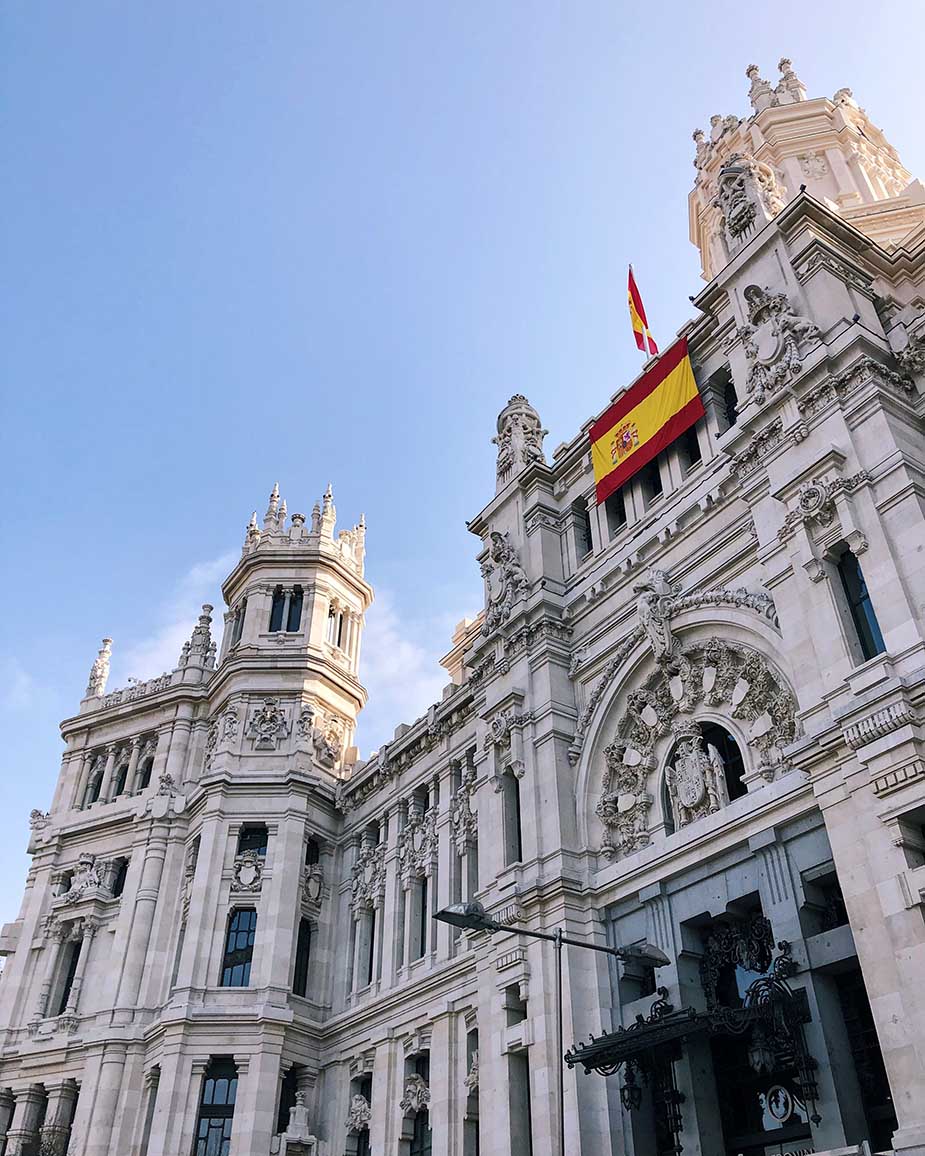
column 675, row 722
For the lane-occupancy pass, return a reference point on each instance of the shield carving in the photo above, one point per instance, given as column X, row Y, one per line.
column 689, row 776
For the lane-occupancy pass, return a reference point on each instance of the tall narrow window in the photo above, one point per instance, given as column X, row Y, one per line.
column 216, row 1109
column 689, row 448
column 730, row 401
column 421, row 1136
column 118, row 879
column 510, row 803
column 94, row 783
column 276, row 610
column 239, row 948
column 69, row 970
column 120, row 779
column 731, row 756
column 312, row 853
column 144, row 778
column 238, row 624
column 582, row 527
column 289, row 1085
column 302, row 957
column 295, row 609
column 650, row 477
column 615, row 508
column 420, row 917
column 519, row 1103
column 860, row 607
column 336, row 627
column 253, row 837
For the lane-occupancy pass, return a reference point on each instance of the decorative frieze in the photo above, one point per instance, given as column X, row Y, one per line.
column 762, row 443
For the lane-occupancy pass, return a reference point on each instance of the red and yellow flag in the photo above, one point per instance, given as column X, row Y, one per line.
column 662, row 404
column 638, row 317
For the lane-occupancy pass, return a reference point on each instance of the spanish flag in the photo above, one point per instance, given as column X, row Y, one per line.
column 638, row 317
column 662, row 404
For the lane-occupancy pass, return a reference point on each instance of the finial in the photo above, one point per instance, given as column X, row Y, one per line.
column 316, row 519
column 761, row 94
column 791, row 89
column 252, row 524
column 328, row 512
column 99, row 671
column 281, row 516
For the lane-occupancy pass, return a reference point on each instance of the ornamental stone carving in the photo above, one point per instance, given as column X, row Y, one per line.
column 695, row 779
column 417, row 845
column 715, row 674
column 38, row 820
column 773, row 340
column 268, row 725
column 247, row 872
column 367, row 887
column 912, row 358
column 463, row 820
column 87, row 877
column 416, row 1096
column 505, row 582
column 654, row 601
column 313, row 883
column 519, row 440
column 667, row 604
column 359, row 1115
column 472, row 1076
column 99, row 671
column 748, row 196
column 328, row 742
column 817, row 502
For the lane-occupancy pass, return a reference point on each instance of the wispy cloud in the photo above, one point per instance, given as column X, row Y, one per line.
column 399, row 666
column 18, row 688
column 150, row 656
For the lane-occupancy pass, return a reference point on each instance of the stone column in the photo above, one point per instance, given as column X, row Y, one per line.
column 444, row 1110
column 104, row 1109
column 256, row 1103
column 133, row 766
column 106, row 787
column 7, row 1104
column 21, row 1139
column 142, row 921
column 55, row 934
column 287, row 601
column 59, row 1112
column 161, row 751
column 179, row 1088
column 85, row 761
column 280, row 910
column 179, row 743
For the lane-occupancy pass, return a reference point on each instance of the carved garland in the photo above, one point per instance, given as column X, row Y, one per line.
column 711, row 674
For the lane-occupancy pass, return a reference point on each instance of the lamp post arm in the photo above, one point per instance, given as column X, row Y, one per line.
column 617, row 952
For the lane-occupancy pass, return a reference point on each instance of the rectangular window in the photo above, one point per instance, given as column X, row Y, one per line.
column 295, row 609
column 582, row 527
column 519, row 1103
column 71, row 957
column 860, row 607
column 216, row 1109
column 420, row 916
column 276, row 610
column 650, row 478
column 253, row 837
column 302, row 956
column 239, row 948
column 615, row 508
column 510, row 804
column 238, row 624
column 371, row 952
column 689, row 449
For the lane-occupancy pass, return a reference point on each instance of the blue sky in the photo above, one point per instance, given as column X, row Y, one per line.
column 245, row 241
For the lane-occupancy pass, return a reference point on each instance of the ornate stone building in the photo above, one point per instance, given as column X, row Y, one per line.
column 693, row 717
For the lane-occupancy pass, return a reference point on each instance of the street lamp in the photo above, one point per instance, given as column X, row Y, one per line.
column 473, row 917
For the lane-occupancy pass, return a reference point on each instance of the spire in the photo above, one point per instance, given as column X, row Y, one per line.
column 200, row 648
column 316, row 519
column 761, row 94
column 99, row 671
column 790, row 90
column 269, row 519
column 252, row 533
column 328, row 513
column 281, row 516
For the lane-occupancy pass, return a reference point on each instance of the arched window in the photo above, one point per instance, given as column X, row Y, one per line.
column 216, row 1109
column 276, row 610
column 94, row 783
column 238, row 623
column 120, row 780
column 336, row 626
column 860, row 608
column 239, row 948
column 731, row 756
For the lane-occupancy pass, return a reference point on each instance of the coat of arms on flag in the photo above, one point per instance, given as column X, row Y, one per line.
column 625, row 440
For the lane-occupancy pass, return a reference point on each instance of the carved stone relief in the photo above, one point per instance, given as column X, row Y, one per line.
column 773, row 340
column 520, row 438
column 463, row 820
column 368, row 882
column 696, row 780
column 713, row 674
column 505, row 582
column 416, row 1095
column 359, row 1115
column 417, row 846
column 247, row 872
column 268, row 725
column 748, row 195
column 99, row 671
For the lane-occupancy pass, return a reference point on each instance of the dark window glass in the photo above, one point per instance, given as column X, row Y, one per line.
column 312, row 853
column 287, row 1100
column 423, row 919
column 302, row 957
column 239, row 948
column 615, row 508
column 513, row 830
column 364, row 1088
column 731, row 756
column 70, row 970
column 582, row 524
column 422, row 1137
column 730, row 403
column 216, row 1109
column 860, row 606
column 371, row 955
column 690, row 448
column 121, row 776
column 145, row 777
column 651, row 477
column 238, row 626
column 295, row 609
column 94, row 785
column 118, row 883
column 276, row 610
column 868, row 1059
column 253, row 837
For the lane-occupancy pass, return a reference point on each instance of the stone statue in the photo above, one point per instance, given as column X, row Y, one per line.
column 359, row 1115
column 99, row 671
column 519, row 439
column 653, row 606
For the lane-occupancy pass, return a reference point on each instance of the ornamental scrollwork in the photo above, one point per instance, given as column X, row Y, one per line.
column 417, row 845
column 713, row 674
column 247, row 872
column 367, row 888
column 268, row 725
column 463, row 820
column 773, row 339
column 505, row 582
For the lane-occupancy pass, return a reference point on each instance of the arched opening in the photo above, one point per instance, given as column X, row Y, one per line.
column 730, row 755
